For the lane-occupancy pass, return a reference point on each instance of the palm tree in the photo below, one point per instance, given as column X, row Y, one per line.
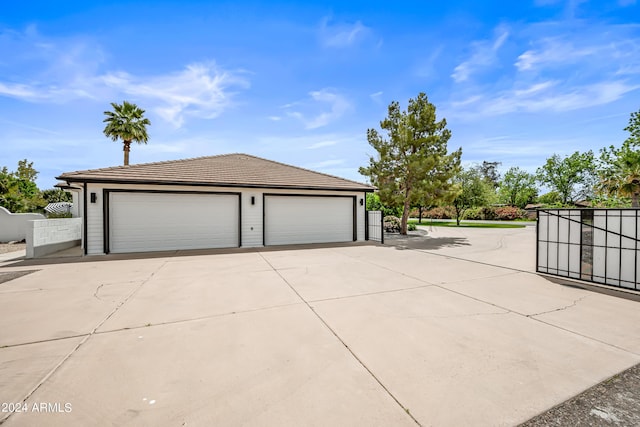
column 621, row 177
column 126, row 122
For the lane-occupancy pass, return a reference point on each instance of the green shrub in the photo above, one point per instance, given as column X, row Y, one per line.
column 509, row 213
column 440, row 212
column 489, row 212
column 411, row 227
column 473, row 213
column 391, row 224
column 53, row 215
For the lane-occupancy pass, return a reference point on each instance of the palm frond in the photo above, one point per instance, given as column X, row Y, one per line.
column 127, row 123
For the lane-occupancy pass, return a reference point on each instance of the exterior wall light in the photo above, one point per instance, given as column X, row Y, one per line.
column 94, row 197
column 361, row 202
column 253, row 200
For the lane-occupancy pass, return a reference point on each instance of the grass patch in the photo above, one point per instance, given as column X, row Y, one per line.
column 467, row 224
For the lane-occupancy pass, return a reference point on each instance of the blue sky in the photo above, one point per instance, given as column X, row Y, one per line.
column 300, row 82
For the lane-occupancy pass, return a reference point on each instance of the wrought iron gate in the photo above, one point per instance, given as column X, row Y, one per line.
column 596, row 245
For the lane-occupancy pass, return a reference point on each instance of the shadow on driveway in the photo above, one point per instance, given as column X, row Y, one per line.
column 177, row 253
column 10, row 275
column 420, row 239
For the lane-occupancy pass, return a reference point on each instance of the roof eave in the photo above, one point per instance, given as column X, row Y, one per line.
column 69, row 179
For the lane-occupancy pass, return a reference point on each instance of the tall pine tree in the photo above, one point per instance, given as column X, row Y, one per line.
column 412, row 165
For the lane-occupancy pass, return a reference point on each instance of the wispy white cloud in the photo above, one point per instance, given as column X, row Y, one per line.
column 554, row 52
column 18, row 90
column 428, row 67
column 309, row 142
column 200, row 90
column 533, row 89
column 518, row 147
column 275, row 118
column 566, row 66
column 377, row 97
column 341, row 35
column 322, row 144
column 630, row 70
column 49, row 70
column 467, row 101
column 546, row 2
column 68, row 70
column 484, row 55
column 163, row 148
column 30, row 127
column 48, row 92
column 325, row 163
column 543, row 96
column 323, row 107
column 571, row 7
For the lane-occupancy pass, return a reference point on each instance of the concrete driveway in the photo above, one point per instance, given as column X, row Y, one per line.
column 459, row 331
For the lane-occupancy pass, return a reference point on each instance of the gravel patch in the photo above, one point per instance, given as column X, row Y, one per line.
column 614, row 402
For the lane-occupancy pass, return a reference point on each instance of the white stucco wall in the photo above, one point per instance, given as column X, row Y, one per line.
column 55, row 234
column 75, row 199
column 251, row 225
column 13, row 226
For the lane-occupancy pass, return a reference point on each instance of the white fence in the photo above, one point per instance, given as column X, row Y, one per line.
column 13, row 226
column 374, row 229
column 52, row 235
column 597, row 245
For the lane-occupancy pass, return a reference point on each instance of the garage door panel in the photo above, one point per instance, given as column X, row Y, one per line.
column 308, row 219
column 172, row 221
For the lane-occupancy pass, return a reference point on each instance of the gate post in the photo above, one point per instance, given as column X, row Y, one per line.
column 366, row 224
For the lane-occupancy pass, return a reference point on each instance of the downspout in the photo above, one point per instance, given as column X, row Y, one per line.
column 366, row 218
column 84, row 218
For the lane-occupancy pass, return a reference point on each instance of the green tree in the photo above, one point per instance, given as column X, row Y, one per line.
column 412, row 162
column 634, row 129
column 518, row 188
column 127, row 123
column 18, row 190
column 9, row 194
column 374, row 204
column 620, row 167
column 573, row 177
column 56, row 195
column 26, row 171
column 474, row 191
column 437, row 188
column 489, row 171
column 7, row 180
column 550, row 198
column 26, row 179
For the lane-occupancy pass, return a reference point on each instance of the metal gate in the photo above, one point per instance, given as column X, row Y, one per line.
column 373, row 226
column 596, row 245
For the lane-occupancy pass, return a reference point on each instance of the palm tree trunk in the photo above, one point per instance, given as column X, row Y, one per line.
column 126, row 149
column 634, row 200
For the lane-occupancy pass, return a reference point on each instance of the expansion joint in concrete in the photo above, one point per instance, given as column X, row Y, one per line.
column 346, row 346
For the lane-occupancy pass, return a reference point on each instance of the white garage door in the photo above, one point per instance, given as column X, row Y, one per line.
column 140, row 222
column 307, row 219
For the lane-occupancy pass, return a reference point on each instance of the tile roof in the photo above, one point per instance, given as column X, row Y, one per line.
column 226, row 170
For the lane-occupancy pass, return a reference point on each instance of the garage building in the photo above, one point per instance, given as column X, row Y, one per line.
column 225, row 201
